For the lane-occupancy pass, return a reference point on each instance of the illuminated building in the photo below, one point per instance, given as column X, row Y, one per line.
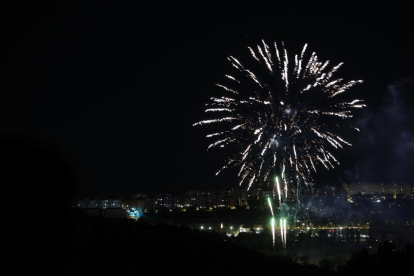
column 378, row 188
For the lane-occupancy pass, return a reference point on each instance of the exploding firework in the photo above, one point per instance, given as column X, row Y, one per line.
column 281, row 119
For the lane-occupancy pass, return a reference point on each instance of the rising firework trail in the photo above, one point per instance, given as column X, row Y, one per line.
column 273, row 233
column 284, row 235
column 280, row 118
column 272, row 222
column 282, row 232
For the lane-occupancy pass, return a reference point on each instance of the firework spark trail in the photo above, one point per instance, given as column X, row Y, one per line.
column 278, row 190
column 273, row 234
column 270, row 204
column 280, row 118
column 284, row 235
column 273, row 223
column 282, row 232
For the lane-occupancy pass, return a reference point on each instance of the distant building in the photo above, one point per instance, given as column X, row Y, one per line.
column 267, row 194
column 113, row 203
column 135, row 201
column 240, row 196
column 327, row 190
column 114, row 213
column 253, row 198
column 149, row 203
column 98, row 203
column 190, row 199
column 378, row 188
column 93, row 204
column 94, row 212
column 401, row 233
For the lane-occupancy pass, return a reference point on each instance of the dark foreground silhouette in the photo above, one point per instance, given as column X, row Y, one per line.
column 127, row 247
column 43, row 237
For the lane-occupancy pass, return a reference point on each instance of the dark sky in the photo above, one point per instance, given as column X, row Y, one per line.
column 110, row 91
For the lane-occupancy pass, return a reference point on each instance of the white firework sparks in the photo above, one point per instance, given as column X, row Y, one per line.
column 281, row 115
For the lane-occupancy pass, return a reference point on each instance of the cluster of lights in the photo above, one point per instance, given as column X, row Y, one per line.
column 221, row 226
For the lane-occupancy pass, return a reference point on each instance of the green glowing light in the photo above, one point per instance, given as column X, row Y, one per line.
column 270, row 205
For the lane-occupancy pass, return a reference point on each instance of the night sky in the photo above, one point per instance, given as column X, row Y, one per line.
column 102, row 96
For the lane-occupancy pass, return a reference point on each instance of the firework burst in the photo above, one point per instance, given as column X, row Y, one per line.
column 281, row 117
